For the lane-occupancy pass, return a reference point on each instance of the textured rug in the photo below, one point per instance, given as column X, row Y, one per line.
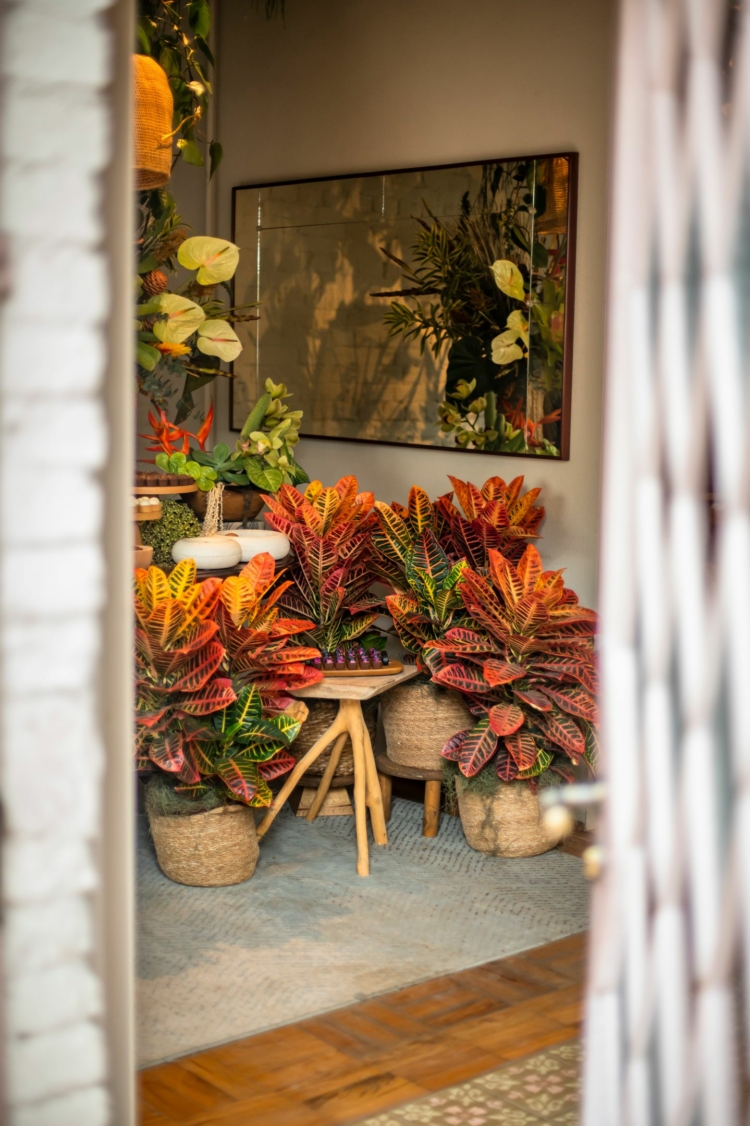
column 543, row 1088
column 306, row 934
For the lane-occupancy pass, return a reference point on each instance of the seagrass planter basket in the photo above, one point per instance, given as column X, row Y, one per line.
column 504, row 822
column 210, row 849
column 419, row 718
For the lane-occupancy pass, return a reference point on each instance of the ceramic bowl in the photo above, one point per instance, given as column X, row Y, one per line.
column 253, row 541
column 209, row 552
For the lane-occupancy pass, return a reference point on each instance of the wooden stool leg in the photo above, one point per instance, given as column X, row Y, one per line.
column 374, row 794
column 325, row 783
column 338, row 725
column 355, row 723
column 386, row 786
column 431, row 820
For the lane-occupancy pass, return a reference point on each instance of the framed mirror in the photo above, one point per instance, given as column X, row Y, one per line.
column 424, row 307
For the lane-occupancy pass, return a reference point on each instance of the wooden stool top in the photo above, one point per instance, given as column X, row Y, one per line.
column 396, row 770
column 355, row 687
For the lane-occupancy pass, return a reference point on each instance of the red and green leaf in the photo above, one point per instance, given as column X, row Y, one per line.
column 522, row 748
column 505, row 718
column 478, row 747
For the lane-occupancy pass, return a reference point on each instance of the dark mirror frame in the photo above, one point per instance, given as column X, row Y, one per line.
column 571, row 233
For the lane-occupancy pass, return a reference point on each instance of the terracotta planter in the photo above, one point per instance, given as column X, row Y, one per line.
column 419, row 719
column 506, row 822
column 321, row 715
column 239, row 504
column 211, row 849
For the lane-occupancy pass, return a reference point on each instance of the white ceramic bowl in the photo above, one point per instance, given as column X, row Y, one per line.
column 209, row 552
column 253, row 541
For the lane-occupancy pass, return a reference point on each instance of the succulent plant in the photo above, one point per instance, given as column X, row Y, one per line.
column 177, row 522
column 264, row 448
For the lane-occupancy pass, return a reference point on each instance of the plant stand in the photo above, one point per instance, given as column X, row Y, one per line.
column 433, row 780
column 349, row 692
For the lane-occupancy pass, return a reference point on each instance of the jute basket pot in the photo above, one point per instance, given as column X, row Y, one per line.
column 506, row 822
column 210, row 849
column 419, row 718
column 322, row 715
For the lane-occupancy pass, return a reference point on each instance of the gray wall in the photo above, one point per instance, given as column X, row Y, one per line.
column 347, row 86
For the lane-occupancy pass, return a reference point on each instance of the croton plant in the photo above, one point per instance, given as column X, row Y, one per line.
column 193, row 721
column 330, row 533
column 426, row 600
column 496, row 516
column 527, row 669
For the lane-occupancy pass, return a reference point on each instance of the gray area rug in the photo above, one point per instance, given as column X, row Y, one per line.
column 306, row 934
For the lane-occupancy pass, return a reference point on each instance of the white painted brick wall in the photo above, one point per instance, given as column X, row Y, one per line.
column 54, row 138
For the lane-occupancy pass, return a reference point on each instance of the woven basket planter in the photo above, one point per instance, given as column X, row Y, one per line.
column 209, row 849
column 506, row 822
column 322, row 715
column 152, row 156
column 419, row 719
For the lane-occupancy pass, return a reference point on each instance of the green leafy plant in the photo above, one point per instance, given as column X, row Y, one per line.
column 177, row 522
column 527, row 669
column 221, row 462
column 203, row 475
column 270, row 433
column 496, row 516
column 260, row 643
column 330, row 533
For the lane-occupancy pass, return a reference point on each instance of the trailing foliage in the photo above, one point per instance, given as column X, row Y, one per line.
column 527, row 669
column 329, row 530
column 259, row 648
column 426, row 602
column 497, row 516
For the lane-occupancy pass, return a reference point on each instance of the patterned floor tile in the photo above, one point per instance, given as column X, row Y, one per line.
column 541, row 1089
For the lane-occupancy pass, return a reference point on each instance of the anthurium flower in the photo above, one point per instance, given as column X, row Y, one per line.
column 217, row 338
column 508, row 278
column 183, row 318
column 518, row 322
column 168, row 349
column 504, row 348
column 215, row 259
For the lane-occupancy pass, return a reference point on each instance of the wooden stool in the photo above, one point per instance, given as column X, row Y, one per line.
column 349, row 691
column 432, row 779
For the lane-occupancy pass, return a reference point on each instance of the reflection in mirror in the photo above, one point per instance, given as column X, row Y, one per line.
column 430, row 307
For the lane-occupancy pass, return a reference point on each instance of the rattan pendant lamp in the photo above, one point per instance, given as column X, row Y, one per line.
column 153, row 124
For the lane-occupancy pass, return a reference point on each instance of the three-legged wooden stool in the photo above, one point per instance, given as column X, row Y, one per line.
column 349, row 691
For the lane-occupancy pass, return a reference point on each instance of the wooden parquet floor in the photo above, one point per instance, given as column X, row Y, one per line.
column 367, row 1058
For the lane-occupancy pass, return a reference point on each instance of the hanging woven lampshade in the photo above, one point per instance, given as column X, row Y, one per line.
column 153, row 122
column 554, row 176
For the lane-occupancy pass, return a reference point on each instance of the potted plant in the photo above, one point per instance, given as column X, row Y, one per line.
column 496, row 516
column 329, row 530
column 207, row 750
column 420, row 715
column 527, row 670
column 263, row 458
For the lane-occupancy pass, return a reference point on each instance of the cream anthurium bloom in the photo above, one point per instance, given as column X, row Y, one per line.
column 508, row 278
column 217, row 338
column 518, row 321
column 184, row 317
column 504, row 348
column 215, row 259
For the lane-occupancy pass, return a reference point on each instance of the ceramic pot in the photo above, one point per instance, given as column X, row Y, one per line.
column 254, row 541
column 211, row 849
column 418, row 719
column 144, row 555
column 506, row 822
column 239, row 504
column 209, row 552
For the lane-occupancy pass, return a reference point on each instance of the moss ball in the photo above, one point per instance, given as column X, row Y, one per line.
column 177, row 522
